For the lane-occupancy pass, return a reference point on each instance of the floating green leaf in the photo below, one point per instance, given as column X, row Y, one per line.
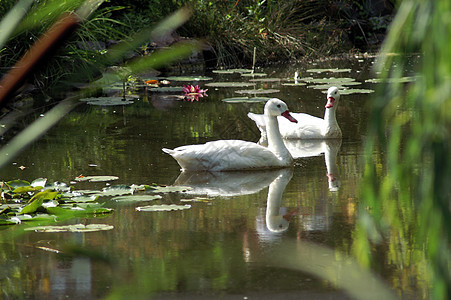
column 107, row 101
column 97, row 178
column 189, row 78
column 260, row 91
column 117, row 190
column 39, row 182
column 17, row 183
column 71, row 228
column 340, row 85
column 232, row 71
column 331, row 80
column 134, row 198
column 230, row 84
column 163, row 207
column 294, row 84
column 254, row 74
column 245, row 99
column 197, row 199
column 356, row 91
column 166, row 89
column 333, row 70
column 168, row 189
column 37, row 200
column 266, row 80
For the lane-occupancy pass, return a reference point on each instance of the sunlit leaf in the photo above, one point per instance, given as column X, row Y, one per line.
column 197, row 199
column 232, row 71
column 254, row 74
column 245, row 99
column 189, row 78
column 230, row 84
column 117, row 190
column 261, row 91
column 165, row 89
column 39, row 182
column 164, row 207
column 356, row 91
column 169, row 189
column 71, row 228
column 107, row 101
column 294, row 84
column 97, row 178
column 333, row 70
column 134, row 198
column 266, row 80
column 17, row 183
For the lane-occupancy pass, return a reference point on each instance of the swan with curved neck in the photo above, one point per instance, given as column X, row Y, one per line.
column 230, row 155
column 308, row 127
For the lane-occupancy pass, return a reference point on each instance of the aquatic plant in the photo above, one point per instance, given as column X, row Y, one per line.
column 194, row 92
column 411, row 124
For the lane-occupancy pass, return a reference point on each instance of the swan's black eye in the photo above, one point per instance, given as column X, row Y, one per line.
column 278, row 105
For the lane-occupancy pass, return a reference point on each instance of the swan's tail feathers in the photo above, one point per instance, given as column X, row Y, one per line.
column 168, row 151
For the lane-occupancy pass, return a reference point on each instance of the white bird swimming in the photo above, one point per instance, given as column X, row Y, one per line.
column 308, row 127
column 230, row 155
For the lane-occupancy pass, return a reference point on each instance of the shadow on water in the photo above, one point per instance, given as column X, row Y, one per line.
column 227, row 243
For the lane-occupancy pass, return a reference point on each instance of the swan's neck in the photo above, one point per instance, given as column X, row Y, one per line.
column 275, row 142
column 330, row 121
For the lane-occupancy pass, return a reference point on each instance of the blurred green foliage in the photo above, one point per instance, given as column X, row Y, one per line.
column 411, row 124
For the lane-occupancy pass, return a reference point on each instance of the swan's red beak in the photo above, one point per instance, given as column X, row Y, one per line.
column 287, row 115
column 330, row 102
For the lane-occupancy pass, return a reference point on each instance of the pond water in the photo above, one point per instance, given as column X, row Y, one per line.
column 223, row 244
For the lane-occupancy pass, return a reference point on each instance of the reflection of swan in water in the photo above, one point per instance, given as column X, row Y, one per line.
column 275, row 220
column 308, row 148
column 227, row 184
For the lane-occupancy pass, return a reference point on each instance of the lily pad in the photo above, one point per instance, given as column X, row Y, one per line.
column 163, row 207
column 171, row 97
column 333, row 70
column 189, row 78
column 82, row 199
column 356, row 91
column 246, row 99
column 71, row 228
column 232, row 71
column 166, row 89
column 254, row 74
column 117, row 190
column 197, row 199
column 294, row 84
column 272, row 79
column 96, row 178
column 331, row 80
column 169, row 189
column 262, row 91
column 344, row 85
column 134, row 198
column 107, row 101
column 230, row 84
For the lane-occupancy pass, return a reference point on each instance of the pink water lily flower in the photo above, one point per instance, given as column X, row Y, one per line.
column 193, row 92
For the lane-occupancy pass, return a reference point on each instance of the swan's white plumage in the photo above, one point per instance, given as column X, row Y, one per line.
column 229, row 155
column 308, row 127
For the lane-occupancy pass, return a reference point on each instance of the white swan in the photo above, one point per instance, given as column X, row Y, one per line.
column 308, row 127
column 229, row 155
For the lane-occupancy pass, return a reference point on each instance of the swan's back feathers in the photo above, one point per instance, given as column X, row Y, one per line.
column 225, row 155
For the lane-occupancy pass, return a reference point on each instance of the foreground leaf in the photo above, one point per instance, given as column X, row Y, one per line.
column 163, row 207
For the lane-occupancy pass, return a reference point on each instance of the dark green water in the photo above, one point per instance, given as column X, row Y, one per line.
column 214, row 249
